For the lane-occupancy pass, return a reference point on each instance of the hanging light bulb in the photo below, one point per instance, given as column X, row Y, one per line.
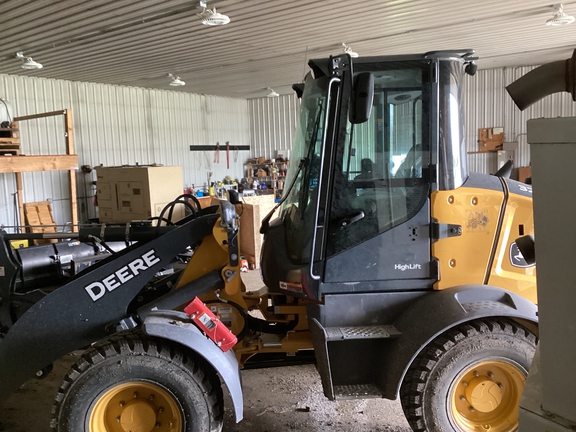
column 560, row 18
column 348, row 50
column 271, row 93
column 176, row 81
column 210, row 17
column 28, row 62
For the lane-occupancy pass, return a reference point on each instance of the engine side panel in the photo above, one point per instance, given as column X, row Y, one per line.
column 476, row 207
column 509, row 269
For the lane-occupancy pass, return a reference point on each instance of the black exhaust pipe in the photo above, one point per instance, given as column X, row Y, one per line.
column 543, row 81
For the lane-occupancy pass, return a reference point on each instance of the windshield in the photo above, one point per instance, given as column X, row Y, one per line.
column 298, row 209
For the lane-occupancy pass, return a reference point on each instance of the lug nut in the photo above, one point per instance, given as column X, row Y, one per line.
column 118, row 419
column 160, row 410
column 135, row 395
column 151, row 397
column 464, row 383
column 462, row 398
column 121, row 403
column 500, row 385
column 157, row 425
column 476, row 374
column 471, row 409
column 490, row 374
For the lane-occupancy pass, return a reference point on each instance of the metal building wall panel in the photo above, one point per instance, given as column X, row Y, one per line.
column 118, row 125
column 272, row 124
column 487, row 104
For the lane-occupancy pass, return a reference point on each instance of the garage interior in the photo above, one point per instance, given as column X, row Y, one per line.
column 96, row 96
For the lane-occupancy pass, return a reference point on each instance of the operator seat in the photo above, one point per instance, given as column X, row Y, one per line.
column 411, row 166
column 366, row 170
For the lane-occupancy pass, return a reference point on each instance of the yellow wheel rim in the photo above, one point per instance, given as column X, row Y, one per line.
column 137, row 406
column 486, row 395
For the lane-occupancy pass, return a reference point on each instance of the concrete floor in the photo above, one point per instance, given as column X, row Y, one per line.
column 280, row 399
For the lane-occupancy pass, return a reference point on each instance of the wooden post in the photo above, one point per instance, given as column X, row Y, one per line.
column 69, row 133
column 20, row 193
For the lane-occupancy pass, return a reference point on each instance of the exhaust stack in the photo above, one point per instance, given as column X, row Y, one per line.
column 543, row 81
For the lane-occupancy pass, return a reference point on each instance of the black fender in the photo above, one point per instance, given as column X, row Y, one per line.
column 438, row 312
column 176, row 326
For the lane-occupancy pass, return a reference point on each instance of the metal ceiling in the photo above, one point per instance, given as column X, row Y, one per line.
column 267, row 43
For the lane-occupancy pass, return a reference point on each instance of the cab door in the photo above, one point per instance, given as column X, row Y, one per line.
column 379, row 220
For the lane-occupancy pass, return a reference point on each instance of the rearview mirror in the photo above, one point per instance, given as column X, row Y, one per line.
column 361, row 98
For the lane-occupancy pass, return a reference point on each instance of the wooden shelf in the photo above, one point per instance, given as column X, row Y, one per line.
column 18, row 164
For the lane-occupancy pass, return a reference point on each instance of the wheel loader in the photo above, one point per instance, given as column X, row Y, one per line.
column 386, row 263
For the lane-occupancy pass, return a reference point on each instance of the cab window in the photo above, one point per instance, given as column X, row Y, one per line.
column 381, row 177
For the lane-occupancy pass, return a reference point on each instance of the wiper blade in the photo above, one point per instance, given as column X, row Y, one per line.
column 266, row 220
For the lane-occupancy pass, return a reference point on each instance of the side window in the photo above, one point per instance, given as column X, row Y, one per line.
column 380, row 173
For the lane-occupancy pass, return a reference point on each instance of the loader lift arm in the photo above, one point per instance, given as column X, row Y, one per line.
column 82, row 311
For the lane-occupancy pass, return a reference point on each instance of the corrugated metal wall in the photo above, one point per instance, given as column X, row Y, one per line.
column 272, row 124
column 116, row 125
column 488, row 105
column 486, row 102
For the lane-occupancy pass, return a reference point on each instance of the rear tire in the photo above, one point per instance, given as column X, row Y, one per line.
column 137, row 383
column 471, row 378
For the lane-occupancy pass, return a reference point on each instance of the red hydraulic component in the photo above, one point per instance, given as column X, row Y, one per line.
column 210, row 324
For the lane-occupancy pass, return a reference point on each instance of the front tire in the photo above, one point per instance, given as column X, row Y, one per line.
column 138, row 384
column 470, row 379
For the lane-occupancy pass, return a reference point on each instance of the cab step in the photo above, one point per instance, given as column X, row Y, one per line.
column 348, row 358
column 356, row 391
column 361, row 332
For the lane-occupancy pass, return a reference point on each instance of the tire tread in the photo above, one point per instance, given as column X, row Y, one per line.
column 138, row 344
column 413, row 387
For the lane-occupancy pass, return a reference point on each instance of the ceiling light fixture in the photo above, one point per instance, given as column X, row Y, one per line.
column 348, row 50
column 28, row 62
column 176, row 81
column 271, row 93
column 212, row 18
column 559, row 18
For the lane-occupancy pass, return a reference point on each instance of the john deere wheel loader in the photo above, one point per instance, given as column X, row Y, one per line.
column 389, row 264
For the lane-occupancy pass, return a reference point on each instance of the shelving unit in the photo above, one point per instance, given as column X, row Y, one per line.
column 18, row 163
column 275, row 178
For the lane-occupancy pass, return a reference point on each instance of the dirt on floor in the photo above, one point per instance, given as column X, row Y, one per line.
column 276, row 399
column 280, row 399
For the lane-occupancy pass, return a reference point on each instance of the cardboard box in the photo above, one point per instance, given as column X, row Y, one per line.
column 490, row 139
column 524, row 173
column 130, row 193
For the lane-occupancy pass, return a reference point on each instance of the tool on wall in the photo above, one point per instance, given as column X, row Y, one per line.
column 217, row 153
column 228, row 154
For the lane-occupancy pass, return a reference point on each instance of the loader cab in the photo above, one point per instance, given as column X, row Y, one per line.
column 357, row 218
